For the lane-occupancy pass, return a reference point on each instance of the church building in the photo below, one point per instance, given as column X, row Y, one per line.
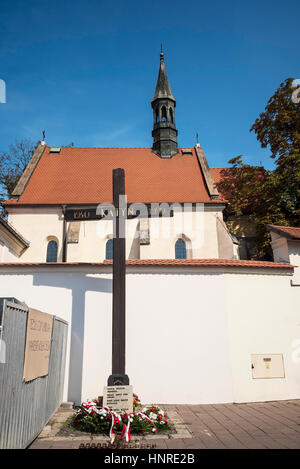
column 203, row 324
column 55, row 201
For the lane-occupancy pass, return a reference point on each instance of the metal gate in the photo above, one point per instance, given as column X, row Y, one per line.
column 25, row 408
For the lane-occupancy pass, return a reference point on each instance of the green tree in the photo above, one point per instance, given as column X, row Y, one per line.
column 269, row 197
column 279, row 129
column 12, row 165
column 252, row 196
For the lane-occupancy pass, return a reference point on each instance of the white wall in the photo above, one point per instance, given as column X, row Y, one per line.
column 288, row 251
column 280, row 248
column 179, row 337
column 190, row 331
column 294, row 255
column 36, row 226
column 264, row 318
column 39, row 225
column 294, row 252
column 6, row 255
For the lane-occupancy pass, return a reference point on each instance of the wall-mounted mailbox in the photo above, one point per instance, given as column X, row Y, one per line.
column 267, row 366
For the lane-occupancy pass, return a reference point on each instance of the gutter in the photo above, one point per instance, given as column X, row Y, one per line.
column 64, row 235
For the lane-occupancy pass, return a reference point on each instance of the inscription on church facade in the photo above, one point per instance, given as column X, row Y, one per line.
column 98, row 213
column 118, row 398
column 81, row 214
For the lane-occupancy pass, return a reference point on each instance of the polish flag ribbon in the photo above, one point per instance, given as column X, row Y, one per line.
column 111, row 432
column 114, row 419
column 127, row 431
column 91, row 407
column 144, row 416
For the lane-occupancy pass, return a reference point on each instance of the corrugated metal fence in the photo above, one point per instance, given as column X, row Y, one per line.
column 26, row 407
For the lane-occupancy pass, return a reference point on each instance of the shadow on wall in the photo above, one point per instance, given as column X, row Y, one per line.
column 79, row 289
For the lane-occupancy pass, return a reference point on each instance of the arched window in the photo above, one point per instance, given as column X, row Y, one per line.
column 109, row 250
column 171, row 115
column 180, row 249
column 163, row 114
column 51, row 251
column 156, row 116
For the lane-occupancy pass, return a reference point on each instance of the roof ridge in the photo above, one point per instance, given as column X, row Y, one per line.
column 114, row 148
column 118, row 148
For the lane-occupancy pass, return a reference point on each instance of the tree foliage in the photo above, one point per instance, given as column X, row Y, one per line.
column 269, row 197
column 12, row 165
column 251, row 193
column 278, row 127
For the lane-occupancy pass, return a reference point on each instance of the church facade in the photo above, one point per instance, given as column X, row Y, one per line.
column 55, row 202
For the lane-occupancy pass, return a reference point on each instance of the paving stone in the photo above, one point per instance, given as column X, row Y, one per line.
column 194, row 443
column 66, row 406
column 175, row 443
column 154, row 437
column 269, row 425
column 41, row 444
column 46, row 432
column 159, row 444
column 181, row 435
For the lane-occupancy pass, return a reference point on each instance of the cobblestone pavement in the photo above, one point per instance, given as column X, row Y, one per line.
column 268, row 425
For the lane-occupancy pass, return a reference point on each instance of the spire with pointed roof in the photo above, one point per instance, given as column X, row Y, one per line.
column 163, row 103
column 162, row 89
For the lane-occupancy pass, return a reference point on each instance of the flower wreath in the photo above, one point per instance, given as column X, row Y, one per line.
column 150, row 414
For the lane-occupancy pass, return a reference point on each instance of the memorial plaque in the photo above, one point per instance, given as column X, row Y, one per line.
column 118, row 398
column 38, row 344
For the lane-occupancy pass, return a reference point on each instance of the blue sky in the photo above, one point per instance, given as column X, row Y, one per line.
column 86, row 70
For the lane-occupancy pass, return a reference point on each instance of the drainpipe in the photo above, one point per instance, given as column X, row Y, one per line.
column 64, row 237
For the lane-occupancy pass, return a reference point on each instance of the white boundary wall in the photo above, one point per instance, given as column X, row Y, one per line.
column 190, row 330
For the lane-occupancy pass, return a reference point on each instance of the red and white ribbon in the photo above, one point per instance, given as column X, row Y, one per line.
column 144, row 416
column 88, row 405
column 114, row 419
column 91, row 407
column 126, row 430
column 111, row 431
column 123, row 431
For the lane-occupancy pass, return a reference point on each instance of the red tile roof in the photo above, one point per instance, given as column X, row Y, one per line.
column 205, row 263
column 290, row 232
column 216, row 174
column 220, row 174
column 162, row 262
column 84, row 176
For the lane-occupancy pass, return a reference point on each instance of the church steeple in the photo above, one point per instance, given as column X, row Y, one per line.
column 163, row 104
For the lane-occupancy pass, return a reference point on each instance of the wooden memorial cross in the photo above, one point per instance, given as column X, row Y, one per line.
column 118, row 376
